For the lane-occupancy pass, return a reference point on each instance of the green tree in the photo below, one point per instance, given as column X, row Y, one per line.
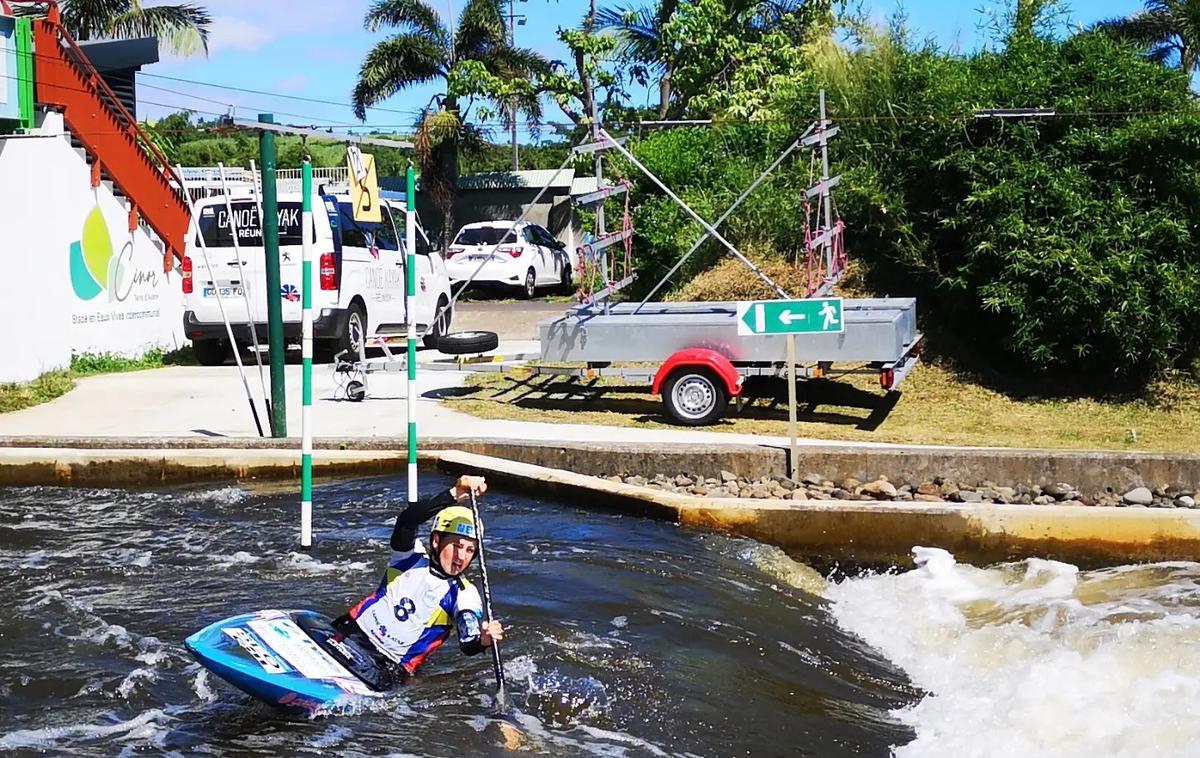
column 1169, row 30
column 639, row 31
column 474, row 60
column 183, row 27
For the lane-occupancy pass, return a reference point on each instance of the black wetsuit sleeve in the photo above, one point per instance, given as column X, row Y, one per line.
column 469, row 640
column 404, row 535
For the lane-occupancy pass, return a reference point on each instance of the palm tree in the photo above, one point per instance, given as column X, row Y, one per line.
column 183, row 28
column 639, row 33
column 1168, row 29
column 423, row 50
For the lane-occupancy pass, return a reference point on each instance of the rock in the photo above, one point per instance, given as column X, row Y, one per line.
column 1043, row 500
column 760, row 492
column 1138, row 496
column 948, row 490
column 850, row 484
column 1005, row 494
column 818, row 495
column 684, row 481
column 636, row 481
column 710, row 482
column 799, row 495
column 728, row 476
column 699, row 490
column 987, row 493
column 922, row 498
column 903, row 488
column 1160, row 491
column 1185, row 501
column 813, row 479
column 841, row 494
column 904, row 496
column 1058, row 490
column 967, row 496
column 1164, row 503
column 928, row 488
column 788, row 484
column 880, row 489
column 614, row 478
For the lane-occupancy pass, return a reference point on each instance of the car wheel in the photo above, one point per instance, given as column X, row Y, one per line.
column 566, row 284
column 211, row 352
column 441, row 324
column 694, row 397
column 466, row 343
column 529, row 291
column 353, row 333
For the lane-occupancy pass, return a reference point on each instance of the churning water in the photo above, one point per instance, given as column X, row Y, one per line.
column 628, row 638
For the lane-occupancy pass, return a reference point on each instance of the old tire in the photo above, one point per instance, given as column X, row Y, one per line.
column 441, row 326
column 211, row 352
column 467, row 343
column 694, row 397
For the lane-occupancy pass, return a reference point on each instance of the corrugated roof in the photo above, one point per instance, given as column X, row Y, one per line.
column 534, row 179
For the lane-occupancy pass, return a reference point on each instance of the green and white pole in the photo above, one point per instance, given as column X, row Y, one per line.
column 410, row 310
column 306, row 348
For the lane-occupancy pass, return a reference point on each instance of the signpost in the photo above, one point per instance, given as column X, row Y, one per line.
column 791, row 317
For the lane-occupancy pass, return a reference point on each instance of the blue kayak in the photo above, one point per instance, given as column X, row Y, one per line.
column 294, row 660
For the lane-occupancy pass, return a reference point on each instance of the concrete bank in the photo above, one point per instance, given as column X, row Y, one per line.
column 1092, row 472
column 878, row 533
column 100, row 467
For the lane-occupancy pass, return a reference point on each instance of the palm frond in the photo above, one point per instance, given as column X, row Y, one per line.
column 405, row 15
column 182, row 28
column 393, row 64
column 1146, row 28
column 480, row 28
column 638, row 32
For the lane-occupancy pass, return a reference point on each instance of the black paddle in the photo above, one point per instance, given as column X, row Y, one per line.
column 501, row 693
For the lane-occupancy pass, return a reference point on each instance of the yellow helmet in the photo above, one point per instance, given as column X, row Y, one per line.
column 456, row 519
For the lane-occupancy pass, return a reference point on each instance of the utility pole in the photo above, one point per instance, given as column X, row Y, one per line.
column 270, row 231
column 512, row 107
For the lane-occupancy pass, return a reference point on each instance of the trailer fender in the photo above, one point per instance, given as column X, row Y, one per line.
column 699, row 358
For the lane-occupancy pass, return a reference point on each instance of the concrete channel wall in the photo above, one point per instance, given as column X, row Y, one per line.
column 851, row 532
column 1092, row 472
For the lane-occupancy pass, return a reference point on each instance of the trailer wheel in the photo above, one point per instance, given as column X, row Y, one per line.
column 467, row 343
column 694, row 397
column 356, row 391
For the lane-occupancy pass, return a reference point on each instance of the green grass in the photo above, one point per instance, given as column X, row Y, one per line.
column 937, row 407
column 53, row 384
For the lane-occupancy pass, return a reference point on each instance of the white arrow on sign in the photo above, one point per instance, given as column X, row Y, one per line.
column 787, row 317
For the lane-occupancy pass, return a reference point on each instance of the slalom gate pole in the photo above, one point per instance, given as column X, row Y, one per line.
column 237, row 251
column 306, row 352
column 410, row 310
column 501, row 689
column 194, row 225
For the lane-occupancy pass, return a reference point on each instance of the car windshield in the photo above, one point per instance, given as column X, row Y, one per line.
column 483, row 235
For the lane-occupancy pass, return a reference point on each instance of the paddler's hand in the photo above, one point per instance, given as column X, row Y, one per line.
column 489, row 632
column 465, row 485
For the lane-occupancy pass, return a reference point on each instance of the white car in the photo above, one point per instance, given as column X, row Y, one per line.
column 497, row 253
column 358, row 277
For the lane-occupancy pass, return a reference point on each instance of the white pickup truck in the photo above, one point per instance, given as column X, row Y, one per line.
column 358, row 277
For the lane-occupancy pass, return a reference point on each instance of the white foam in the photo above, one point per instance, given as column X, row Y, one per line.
column 240, row 558
column 302, row 563
column 1037, row 658
column 145, row 726
column 224, row 495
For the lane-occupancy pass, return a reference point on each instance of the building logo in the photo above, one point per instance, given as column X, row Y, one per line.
column 95, row 268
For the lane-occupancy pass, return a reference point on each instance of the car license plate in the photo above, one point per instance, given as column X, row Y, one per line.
column 480, row 258
column 225, row 291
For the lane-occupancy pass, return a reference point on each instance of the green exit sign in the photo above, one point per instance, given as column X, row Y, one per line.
column 816, row 316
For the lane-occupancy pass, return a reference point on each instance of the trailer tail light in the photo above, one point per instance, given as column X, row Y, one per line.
column 328, row 270
column 887, row 378
column 515, row 252
column 185, row 270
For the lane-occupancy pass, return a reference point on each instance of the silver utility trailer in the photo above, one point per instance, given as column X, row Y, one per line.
column 877, row 331
column 691, row 353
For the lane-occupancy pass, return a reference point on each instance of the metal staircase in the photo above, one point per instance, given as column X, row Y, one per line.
column 118, row 150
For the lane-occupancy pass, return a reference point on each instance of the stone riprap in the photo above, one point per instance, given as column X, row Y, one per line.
column 813, row 486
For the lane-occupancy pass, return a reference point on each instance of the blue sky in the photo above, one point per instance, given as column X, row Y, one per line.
column 295, row 52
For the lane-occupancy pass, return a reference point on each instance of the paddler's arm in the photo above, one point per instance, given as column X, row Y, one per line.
column 474, row 635
column 404, row 534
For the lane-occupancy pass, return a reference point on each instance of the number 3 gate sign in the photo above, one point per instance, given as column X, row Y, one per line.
column 815, row 316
